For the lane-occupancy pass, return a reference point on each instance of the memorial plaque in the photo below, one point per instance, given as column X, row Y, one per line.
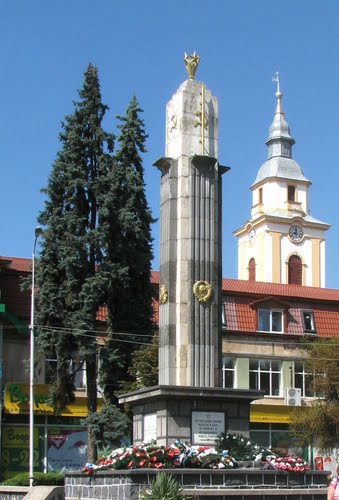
column 150, row 427
column 206, row 426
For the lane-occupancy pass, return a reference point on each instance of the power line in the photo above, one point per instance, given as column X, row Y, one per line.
column 99, row 332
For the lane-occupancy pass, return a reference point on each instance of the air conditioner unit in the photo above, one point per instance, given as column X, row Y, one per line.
column 293, row 396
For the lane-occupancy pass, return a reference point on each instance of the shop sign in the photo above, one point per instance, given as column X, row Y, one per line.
column 16, row 401
column 15, row 456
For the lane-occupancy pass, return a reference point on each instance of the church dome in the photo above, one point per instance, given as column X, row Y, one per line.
column 282, row 167
column 279, row 143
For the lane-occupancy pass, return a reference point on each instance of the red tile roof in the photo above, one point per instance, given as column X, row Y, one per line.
column 18, row 302
column 19, row 264
column 238, row 295
column 22, row 264
column 258, row 288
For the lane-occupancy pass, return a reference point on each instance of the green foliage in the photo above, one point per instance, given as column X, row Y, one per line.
column 69, row 289
column 318, row 424
column 144, row 368
column 109, row 426
column 39, row 479
column 163, row 487
column 127, row 269
column 96, row 251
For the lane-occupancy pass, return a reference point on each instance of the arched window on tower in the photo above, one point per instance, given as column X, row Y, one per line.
column 251, row 270
column 294, row 270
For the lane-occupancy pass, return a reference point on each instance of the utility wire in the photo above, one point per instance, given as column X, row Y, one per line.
column 84, row 331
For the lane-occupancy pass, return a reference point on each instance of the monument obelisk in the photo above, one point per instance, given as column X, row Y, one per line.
column 190, row 238
column 189, row 404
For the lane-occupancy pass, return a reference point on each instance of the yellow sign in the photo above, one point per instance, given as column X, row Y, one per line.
column 16, row 401
column 270, row 414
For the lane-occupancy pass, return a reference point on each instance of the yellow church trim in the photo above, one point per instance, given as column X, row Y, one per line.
column 316, row 262
column 276, row 257
column 260, row 269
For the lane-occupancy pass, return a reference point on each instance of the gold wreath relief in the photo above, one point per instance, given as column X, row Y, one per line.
column 163, row 294
column 202, row 290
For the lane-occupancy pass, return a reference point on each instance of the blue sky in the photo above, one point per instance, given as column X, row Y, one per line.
column 138, row 47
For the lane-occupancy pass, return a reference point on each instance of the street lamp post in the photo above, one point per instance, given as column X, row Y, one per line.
column 37, row 233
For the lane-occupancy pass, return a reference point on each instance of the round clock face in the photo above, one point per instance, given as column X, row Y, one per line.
column 251, row 237
column 296, row 233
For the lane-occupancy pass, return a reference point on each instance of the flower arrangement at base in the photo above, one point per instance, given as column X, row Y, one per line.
column 150, row 455
column 289, row 463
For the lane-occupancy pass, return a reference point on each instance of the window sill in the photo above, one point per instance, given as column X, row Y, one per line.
column 267, row 331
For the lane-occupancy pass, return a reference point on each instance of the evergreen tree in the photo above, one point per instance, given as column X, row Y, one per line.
column 69, row 289
column 96, row 251
column 125, row 215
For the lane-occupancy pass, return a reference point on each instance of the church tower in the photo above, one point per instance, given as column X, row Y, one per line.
column 281, row 242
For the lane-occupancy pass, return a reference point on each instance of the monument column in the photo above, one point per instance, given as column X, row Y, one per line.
column 190, row 238
column 189, row 404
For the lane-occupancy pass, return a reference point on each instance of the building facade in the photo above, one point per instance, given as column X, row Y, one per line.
column 59, row 440
column 263, row 328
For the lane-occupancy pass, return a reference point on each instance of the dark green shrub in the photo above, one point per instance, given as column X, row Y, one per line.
column 39, row 479
column 163, row 487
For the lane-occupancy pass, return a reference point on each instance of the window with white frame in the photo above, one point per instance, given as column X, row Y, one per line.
column 270, row 320
column 308, row 321
column 223, row 315
column 228, row 372
column 265, row 375
column 305, row 380
column 302, row 379
column 76, row 367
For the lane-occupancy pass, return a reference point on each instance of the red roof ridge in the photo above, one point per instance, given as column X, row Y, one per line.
column 231, row 285
column 279, row 289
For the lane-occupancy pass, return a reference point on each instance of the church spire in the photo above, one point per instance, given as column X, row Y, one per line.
column 279, row 141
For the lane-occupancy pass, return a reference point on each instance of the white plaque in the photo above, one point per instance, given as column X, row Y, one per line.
column 150, row 427
column 206, row 426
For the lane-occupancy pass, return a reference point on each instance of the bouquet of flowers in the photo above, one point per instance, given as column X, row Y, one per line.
column 207, row 457
column 240, row 447
column 150, row 455
column 289, row 463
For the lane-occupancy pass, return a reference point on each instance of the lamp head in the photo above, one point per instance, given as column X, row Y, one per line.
column 37, row 231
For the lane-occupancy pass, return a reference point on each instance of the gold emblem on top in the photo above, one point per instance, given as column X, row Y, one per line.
column 191, row 63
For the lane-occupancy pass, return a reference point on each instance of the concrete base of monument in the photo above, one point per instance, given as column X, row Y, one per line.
column 189, row 414
column 200, row 484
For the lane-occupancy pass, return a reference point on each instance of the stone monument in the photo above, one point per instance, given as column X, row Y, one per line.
column 189, row 404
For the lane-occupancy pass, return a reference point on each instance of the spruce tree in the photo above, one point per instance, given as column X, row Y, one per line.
column 126, row 215
column 69, row 288
column 96, row 252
